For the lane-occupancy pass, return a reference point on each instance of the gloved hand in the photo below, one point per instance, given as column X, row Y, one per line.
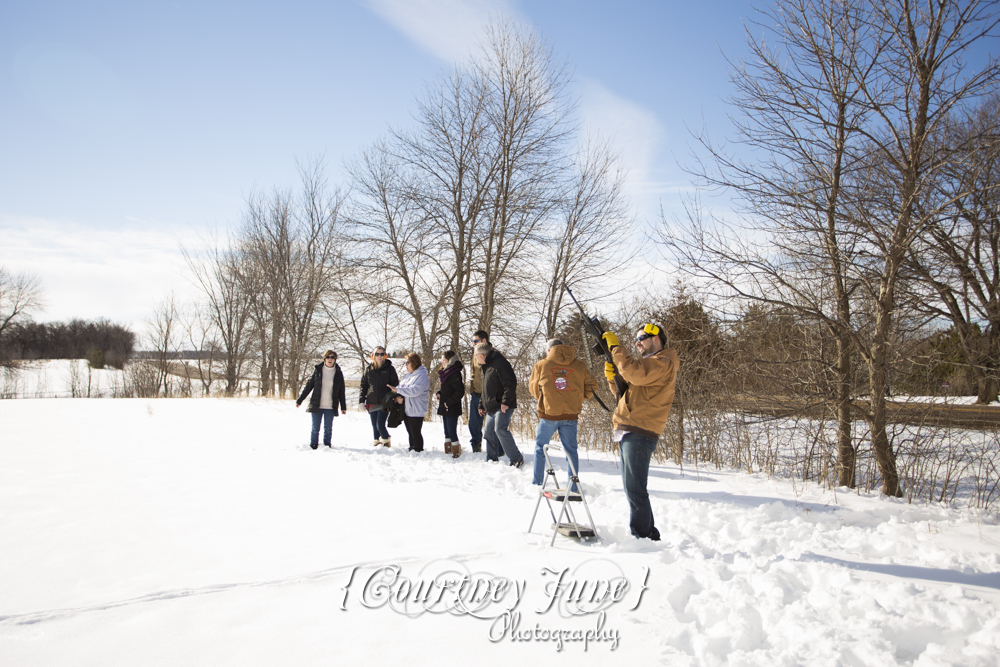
column 611, row 339
column 609, row 370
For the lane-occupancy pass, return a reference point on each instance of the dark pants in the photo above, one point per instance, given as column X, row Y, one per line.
column 378, row 424
column 327, row 417
column 413, row 426
column 475, row 422
column 636, row 453
column 450, row 428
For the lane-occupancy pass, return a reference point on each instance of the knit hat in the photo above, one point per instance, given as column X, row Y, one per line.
column 552, row 342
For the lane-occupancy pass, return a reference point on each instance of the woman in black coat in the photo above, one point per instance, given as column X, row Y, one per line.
column 327, row 388
column 378, row 374
column 450, row 396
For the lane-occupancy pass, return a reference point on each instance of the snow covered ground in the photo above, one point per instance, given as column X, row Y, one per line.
column 207, row 532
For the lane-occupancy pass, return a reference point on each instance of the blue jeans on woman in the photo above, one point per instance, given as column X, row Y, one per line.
column 450, row 428
column 636, row 452
column 567, row 436
column 378, row 424
column 327, row 417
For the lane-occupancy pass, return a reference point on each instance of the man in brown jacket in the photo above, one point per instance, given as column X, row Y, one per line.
column 561, row 383
column 641, row 415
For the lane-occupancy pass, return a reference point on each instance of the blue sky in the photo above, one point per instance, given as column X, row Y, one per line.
column 129, row 127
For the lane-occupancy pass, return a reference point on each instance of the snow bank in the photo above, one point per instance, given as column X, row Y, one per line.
column 207, row 532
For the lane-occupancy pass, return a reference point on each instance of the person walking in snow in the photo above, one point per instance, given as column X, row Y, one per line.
column 561, row 383
column 450, row 400
column 499, row 401
column 475, row 394
column 378, row 375
column 641, row 415
column 328, row 391
column 415, row 388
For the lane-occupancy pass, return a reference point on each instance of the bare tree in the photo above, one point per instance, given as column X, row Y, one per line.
column 958, row 258
column 453, row 171
column 162, row 334
column 217, row 274
column 20, row 296
column 844, row 119
column 398, row 250
column 588, row 242
column 529, row 119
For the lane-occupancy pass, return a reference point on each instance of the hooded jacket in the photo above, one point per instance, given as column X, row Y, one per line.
column 315, row 385
column 415, row 387
column 645, row 405
column 561, row 383
column 499, row 383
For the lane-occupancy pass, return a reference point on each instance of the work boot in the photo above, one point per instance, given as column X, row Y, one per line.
column 456, row 450
column 447, row 446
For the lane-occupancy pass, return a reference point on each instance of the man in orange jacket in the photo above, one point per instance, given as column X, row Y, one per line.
column 561, row 383
column 641, row 415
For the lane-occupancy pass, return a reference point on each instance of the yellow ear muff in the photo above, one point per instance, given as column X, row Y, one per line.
column 652, row 329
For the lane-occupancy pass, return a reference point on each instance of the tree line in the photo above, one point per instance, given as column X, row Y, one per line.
column 99, row 341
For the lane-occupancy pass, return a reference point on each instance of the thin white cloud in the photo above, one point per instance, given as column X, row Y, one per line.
column 90, row 273
column 637, row 133
column 449, row 29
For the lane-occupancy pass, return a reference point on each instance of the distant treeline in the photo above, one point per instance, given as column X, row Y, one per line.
column 100, row 341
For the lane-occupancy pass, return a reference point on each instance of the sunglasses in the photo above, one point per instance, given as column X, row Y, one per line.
column 380, row 354
column 642, row 337
column 329, row 358
column 476, row 341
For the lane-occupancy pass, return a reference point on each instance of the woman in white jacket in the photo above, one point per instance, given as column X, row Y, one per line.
column 415, row 387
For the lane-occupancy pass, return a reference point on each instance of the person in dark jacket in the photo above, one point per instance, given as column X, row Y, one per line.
column 450, row 400
column 499, row 401
column 328, row 391
column 379, row 373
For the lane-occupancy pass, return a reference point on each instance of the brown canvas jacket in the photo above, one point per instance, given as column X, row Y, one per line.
column 561, row 383
column 476, row 383
column 645, row 406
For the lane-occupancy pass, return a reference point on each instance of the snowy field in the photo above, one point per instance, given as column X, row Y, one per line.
column 206, row 532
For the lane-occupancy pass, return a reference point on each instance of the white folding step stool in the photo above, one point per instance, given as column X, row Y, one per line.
column 571, row 527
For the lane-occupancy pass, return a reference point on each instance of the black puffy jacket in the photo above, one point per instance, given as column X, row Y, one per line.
column 499, row 383
column 374, row 381
column 451, row 392
column 316, row 383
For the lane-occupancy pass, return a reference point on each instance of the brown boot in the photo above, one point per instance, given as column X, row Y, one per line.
column 456, row 450
column 447, row 446
column 386, row 442
column 377, row 443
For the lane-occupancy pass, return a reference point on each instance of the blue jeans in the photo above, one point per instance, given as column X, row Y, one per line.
column 499, row 441
column 475, row 422
column 636, row 452
column 450, row 428
column 327, row 417
column 378, row 424
column 567, row 436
